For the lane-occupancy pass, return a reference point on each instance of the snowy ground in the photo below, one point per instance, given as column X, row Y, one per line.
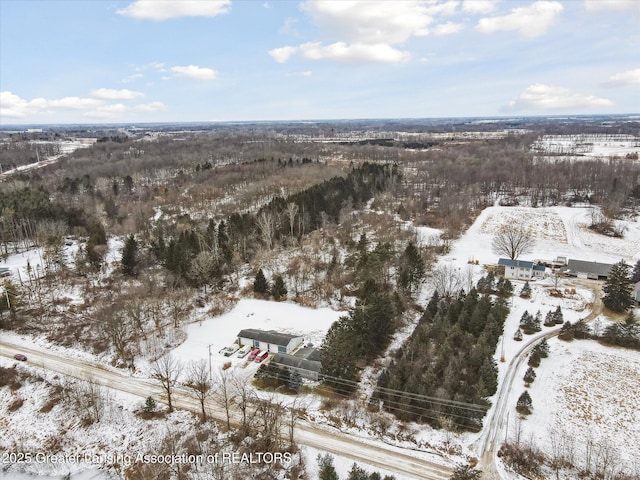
column 222, row 331
column 576, row 147
column 584, row 392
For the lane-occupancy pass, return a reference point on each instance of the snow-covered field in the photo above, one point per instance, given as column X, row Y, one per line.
column 586, row 392
column 583, row 146
column 222, row 331
column 558, row 231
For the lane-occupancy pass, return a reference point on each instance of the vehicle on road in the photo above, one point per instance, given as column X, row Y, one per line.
column 21, row 357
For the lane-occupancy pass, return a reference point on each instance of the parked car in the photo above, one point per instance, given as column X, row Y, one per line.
column 230, row 350
column 261, row 356
column 21, row 357
column 252, row 355
column 244, row 351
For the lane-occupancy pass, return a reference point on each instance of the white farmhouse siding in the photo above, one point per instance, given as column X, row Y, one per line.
column 517, row 269
column 538, row 271
column 269, row 340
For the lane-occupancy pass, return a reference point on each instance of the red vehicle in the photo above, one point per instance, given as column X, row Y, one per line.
column 252, row 355
column 21, row 357
column 261, row 356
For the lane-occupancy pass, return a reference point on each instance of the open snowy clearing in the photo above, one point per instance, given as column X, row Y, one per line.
column 584, row 392
column 558, row 231
column 222, row 331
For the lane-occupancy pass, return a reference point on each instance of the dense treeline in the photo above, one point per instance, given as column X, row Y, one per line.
column 204, row 256
column 449, row 356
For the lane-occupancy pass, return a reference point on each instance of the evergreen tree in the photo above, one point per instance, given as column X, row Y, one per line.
column 617, row 289
column 524, row 404
column 327, row 471
column 279, row 289
column 466, row 472
column 529, row 376
column 130, row 256
column 518, row 335
column 549, row 319
column 295, row 381
column 543, row 348
column 558, row 318
column 505, row 287
column 566, row 332
column 635, row 276
column 411, row 269
column 534, row 359
column 526, row 291
column 149, row 405
column 357, row 473
column 260, row 284
column 527, row 323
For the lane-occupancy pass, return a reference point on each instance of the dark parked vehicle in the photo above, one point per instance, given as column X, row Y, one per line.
column 21, row 357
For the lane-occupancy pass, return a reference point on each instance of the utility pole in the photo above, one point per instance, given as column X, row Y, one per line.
column 210, row 374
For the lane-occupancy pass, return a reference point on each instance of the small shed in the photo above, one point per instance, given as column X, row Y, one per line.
column 590, row 270
column 269, row 340
column 4, row 272
column 306, row 362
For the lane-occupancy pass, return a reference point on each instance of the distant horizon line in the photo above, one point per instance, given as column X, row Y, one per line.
column 320, row 120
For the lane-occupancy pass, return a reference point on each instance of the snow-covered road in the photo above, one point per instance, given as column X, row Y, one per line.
column 379, row 455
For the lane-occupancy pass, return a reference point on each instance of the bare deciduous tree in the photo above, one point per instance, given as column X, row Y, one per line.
column 267, row 226
column 292, row 210
column 198, row 383
column 513, row 241
column 222, row 383
column 446, row 279
column 167, row 370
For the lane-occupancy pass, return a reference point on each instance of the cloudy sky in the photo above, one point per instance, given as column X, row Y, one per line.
column 206, row 60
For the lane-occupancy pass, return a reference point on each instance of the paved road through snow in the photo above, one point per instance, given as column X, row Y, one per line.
column 379, row 455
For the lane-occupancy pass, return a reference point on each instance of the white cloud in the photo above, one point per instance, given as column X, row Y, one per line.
column 132, row 78
column 165, row 9
column 151, row 107
column 531, row 21
column 74, row 103
column 370, row 22
column 288, row 27
column 282, row 54
column 629, row 78
column 447, row 28
column 475, row 7
column 194, row 72
column 306, row 73
column 113, row 94
column 539, row 97
column 356, row 53
column 15, row 107
column 616, row 5
column 368, row 31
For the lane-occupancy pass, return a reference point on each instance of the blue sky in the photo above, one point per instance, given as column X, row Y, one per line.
column 240, row 60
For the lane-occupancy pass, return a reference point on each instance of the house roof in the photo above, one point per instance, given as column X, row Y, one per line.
column 267, row 336
column 507, row 262
column 539, row 268
column 309, row 354
column 637, row 287
column 4, row 271
column 297, row 362
column 595, row 268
